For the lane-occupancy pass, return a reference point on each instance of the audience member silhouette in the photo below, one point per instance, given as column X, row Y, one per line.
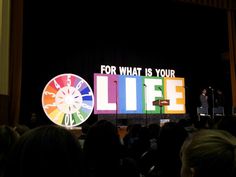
column 103, row 152
column 84, row 130
column 46, row 151
column 102, row 149
column 132, row 141
column 188, row 125
column 21, row 128
column 8, row 137
column 154, row 130
column 227, row 123
column 149, row 157
column 172, row 136
column 209, row 153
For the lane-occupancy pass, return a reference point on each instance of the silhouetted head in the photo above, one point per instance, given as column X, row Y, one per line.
column 209, row 153
column 46, row 151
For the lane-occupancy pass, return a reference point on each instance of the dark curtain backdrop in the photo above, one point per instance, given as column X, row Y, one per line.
column 15, row 62
column 77, row 38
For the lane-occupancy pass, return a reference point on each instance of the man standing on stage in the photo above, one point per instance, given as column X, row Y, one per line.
column 219, row 98
column 204, row 100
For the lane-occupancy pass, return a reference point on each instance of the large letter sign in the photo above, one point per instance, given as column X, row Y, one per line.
column 67, row 100
column 126, row 94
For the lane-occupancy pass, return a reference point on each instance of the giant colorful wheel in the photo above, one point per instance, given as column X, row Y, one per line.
column 67, row 100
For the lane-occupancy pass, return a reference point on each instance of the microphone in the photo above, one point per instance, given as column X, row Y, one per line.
column 144, row 85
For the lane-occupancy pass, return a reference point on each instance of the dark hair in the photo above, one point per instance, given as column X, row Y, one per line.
column 102, row 149
column 172, row 136
column 46, row 151
column 8, row 138
column 210, row 153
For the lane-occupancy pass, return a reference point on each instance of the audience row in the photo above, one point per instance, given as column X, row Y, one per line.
column 177, row 149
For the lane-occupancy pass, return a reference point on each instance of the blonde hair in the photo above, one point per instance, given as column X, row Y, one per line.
column 210, row 153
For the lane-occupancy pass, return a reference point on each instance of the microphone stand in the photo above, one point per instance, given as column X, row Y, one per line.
column 213, row 104
column 160, row 105
column 116, row 104
column 145, row 92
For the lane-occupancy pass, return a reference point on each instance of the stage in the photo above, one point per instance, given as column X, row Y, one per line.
column 143, row 119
